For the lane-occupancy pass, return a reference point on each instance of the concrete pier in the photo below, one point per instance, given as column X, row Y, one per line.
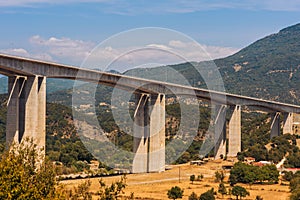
column 141, row 134
column 234, row 138
column 288, row 120
column 157, row 134
column 220, row 131
column 149, row 134
column 26, row 114
column 12, row 125
column 275, row 125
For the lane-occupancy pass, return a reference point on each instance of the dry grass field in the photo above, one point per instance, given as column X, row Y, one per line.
column 156, row 185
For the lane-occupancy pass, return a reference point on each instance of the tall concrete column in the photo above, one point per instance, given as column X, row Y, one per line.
column 234, row 138
column 275, row 125
column 220, row 131
column 29, row 110
column 12, row 124
column 141, row 134
column 149, row 134
column 157, row 134
column 40, row 138
column 288, row 120
column 26, row 115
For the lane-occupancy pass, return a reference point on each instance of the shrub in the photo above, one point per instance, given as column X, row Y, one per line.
column 25, row 174
column 175, row 193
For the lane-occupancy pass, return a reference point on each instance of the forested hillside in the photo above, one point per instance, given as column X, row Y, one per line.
column 269, row 68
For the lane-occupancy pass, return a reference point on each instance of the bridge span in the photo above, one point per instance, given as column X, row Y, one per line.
column 27, row 107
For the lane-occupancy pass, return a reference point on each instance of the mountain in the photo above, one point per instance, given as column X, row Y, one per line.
column 269, row 69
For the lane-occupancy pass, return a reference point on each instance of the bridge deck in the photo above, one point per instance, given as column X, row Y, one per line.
column 18, row 66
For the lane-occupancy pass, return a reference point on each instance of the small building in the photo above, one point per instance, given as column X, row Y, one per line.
column 296, row 128
column 121, row 171
column 261, row 163
column 227, row 167
column 249, row 160
column 258, row 164
column 294, row 170
column 265, row 162
column 197, row 162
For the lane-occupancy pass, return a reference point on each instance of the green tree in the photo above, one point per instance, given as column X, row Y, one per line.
column 243, row 173
column 258, row 198
column 287, row 175
column 222, row 189
column 208, row 195
column 239, row 191
column 294, row 183
column 240, row 156
column 295, row 194
column 293, row 159
column 258, row 151
column 192, row 178
column 271, row 173
column 295, row 187
column 200, row 177
column 193, row 196
column 251, row 175
column 23, row 175
column 175, row 193
column 219, row 176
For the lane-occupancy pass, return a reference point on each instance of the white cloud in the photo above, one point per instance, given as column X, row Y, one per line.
column 173, row 52
column 219, row 52
column 159, row 46
column 20, row 52
column 70, row 51
column 193, row 51
column 63, row 48
column 24, row 53
column 177, row 43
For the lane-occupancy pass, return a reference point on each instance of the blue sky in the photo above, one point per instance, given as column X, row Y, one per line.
column 66, row 32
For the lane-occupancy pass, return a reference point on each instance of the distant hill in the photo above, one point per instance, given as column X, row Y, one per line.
column 269, row 68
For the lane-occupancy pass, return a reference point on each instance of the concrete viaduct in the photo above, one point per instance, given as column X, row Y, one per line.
column 27, row 108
